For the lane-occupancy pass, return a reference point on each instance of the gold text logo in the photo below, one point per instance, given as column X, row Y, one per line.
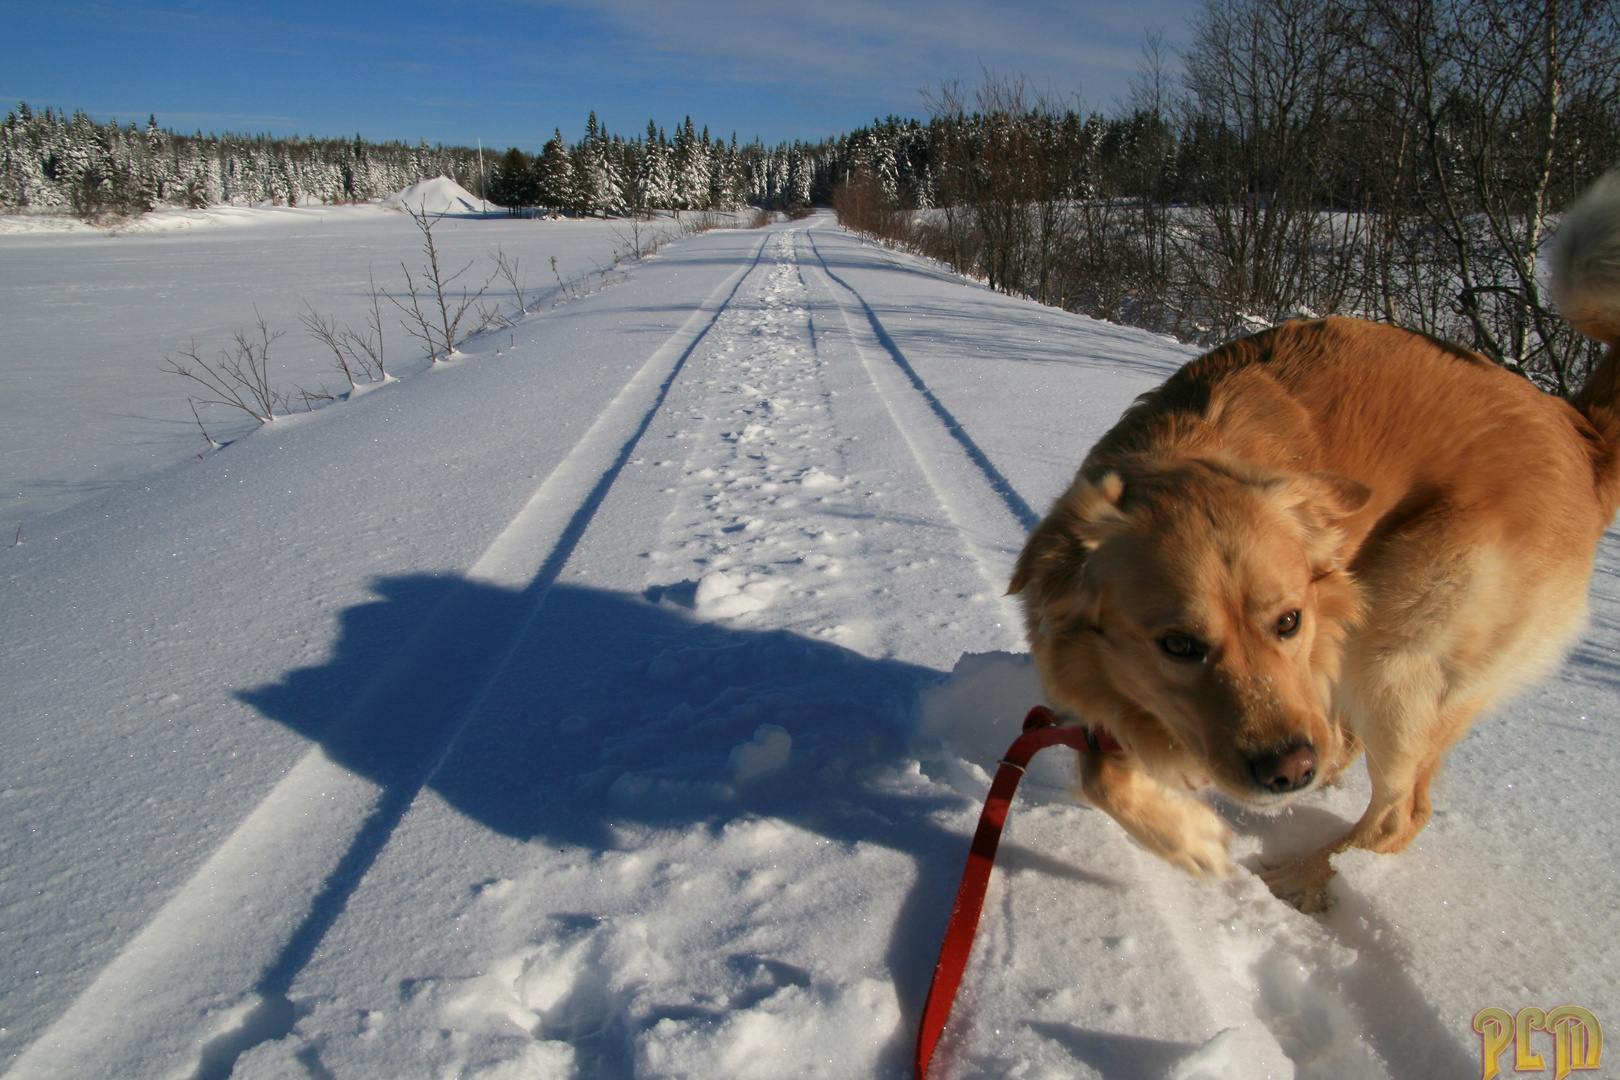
column 1577, row 1039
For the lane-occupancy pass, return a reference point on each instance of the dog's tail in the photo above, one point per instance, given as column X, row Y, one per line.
column 1586, row 281
column 1586, row 284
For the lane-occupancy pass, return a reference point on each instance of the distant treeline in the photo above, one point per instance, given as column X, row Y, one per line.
column 54, row 162
column 50, row 161
column 1401, row 160
column 608, row 174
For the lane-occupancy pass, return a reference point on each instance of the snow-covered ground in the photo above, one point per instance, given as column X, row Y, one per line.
column 89, row 316
column 615, row 701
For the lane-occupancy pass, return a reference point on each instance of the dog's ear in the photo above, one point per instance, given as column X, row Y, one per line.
column 1086, row 515
column 1320, row 502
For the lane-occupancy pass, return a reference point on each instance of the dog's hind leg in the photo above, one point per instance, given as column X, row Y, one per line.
column 1408, row 722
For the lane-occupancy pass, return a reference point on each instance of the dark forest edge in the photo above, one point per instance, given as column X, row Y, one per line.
column 1401, row 160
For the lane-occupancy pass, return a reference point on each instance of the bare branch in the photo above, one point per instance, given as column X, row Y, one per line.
column 240, row 378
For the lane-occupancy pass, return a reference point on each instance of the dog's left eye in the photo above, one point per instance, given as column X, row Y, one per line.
column 1288, row 624
column 1183, row 647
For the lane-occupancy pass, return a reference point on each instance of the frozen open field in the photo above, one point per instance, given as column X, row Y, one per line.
column 89, row 317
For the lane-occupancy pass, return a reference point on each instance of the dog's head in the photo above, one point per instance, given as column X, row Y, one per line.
column 1196, row 608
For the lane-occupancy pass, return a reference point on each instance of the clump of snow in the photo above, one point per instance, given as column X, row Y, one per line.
column 441, row 195
column 1218, row 1059
column 979, row 711
column 817, row 479
column 769, row 752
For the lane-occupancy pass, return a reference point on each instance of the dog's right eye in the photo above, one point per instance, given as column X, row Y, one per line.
column 1183, row 647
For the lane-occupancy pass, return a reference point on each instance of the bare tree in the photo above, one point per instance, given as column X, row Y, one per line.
column 511, row 270
column 1499, row 103
column 328, row 333
column 368, row 347
column 352, row 352
column 1263, row 78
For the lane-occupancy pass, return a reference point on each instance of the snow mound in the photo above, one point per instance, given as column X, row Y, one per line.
column 979, row 710
column 441, row 195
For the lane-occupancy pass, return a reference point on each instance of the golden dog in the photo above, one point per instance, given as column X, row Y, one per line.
column 1331, row 537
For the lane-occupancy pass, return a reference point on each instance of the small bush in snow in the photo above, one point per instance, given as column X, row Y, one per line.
column 240, row 378
column 434, row 310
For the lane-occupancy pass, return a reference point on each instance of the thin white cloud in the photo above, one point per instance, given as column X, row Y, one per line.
column 884, row 51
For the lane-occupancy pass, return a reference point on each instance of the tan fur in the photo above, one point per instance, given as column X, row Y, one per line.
column 1431, row 516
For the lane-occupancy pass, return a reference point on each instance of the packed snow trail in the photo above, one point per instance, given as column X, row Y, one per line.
column 601, row 728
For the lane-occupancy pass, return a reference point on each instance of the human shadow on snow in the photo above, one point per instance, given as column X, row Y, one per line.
column 559, row 714
column 562, row 714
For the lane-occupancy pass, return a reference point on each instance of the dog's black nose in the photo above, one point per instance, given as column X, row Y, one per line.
column 1288, row 769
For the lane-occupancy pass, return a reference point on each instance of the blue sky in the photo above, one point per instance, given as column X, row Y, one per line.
column 509, row 72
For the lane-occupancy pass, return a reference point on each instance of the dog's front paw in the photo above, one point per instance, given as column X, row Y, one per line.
column 1199, row 846
column 1175, row 827
column 1302, row 883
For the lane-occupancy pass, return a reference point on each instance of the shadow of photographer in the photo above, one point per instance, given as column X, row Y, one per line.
column 561, row 715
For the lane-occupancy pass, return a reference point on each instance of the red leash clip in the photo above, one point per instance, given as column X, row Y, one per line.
column 1040, row 731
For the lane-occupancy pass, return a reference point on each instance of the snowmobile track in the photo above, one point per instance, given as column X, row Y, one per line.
column 988, row 512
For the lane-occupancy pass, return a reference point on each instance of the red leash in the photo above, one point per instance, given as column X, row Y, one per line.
column 1040, row 731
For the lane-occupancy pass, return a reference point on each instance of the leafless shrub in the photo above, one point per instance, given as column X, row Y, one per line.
column 328, row 333
column 239, row 379
column 569, row 290
column 369, row 352
column 761, row 218
column 212, row 445
column 633, row 240
column 354, row 354
column 596, row 279
column 639, row 237
column 864, row 206
column 511, row 270
column 701, row 221
column 435, row 319
column 310, row 399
